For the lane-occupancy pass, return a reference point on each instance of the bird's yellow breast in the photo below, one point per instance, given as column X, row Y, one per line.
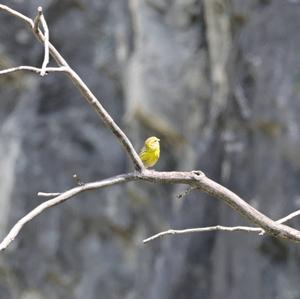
column 149, row 157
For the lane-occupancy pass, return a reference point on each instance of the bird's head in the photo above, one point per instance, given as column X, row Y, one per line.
column 152, row 143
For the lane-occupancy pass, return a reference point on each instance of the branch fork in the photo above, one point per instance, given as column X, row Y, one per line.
column 194, row 180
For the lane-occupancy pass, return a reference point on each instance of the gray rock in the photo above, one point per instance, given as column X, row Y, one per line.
column 154, row 64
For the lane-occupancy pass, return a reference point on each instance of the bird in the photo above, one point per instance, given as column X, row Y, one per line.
column 150, row 152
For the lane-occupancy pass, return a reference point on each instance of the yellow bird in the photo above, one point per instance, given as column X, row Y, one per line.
column 149, row 154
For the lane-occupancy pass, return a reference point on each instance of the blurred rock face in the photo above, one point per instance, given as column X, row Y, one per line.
column 217, row 81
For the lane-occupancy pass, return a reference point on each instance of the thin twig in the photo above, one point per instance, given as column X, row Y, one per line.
column 44, row 194
column 186, row 192
column 203, row 229
column 77, row 179
column 37, row 19
column 219, row 228
column 15, row 13
column 46, row 40
column 289, row 217
column 33, row 69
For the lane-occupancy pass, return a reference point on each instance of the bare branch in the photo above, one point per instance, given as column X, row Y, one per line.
column 289, row 217
column 60, row 199
column 45, row 194
column 203, row 229
column 85, row 91
column 37, row 19
column 219, row 228
column 194, row 179
column 33, row 69
column 107, row 119
column 15, row 13
column 41, row 19
column 247, row 211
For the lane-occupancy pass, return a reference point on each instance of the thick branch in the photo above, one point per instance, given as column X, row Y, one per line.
column 216, row 190
column 194, row 179
column 247, row 211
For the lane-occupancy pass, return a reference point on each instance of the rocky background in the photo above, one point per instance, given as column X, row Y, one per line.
column 218, row 81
